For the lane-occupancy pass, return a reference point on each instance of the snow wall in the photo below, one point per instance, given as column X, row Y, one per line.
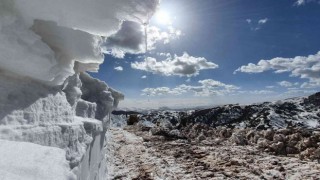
column 53, row 115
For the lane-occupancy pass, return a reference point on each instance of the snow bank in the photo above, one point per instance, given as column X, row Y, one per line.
column 24, row 101
column 96, row 91
column 99, row 17
column 43, row 40
column 28, row 161
column 46, row 96
column 33, row 112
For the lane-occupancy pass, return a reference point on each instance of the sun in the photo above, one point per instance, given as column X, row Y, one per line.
column 163, row 17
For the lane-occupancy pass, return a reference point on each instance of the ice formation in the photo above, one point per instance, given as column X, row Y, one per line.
column 49, row 105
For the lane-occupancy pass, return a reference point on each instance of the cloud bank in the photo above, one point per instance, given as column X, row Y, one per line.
column 285, row 84
column 306, row 67
column 207, row 87
column 184, row 65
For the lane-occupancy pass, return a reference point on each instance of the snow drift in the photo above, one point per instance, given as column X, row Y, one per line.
column 46, row 97
column 43, row 40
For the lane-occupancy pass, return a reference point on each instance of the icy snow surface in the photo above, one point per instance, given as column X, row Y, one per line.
column 28, row 161
column 36, row 113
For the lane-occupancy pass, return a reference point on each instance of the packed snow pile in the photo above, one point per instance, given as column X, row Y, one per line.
column 46, row 96
column 41, row 163
column 58, row 117
column 43, row 40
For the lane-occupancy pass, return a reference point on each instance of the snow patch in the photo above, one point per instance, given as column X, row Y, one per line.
column 28, row 161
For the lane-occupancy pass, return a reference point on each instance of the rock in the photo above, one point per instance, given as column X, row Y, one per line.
column 291, row 150
column 256, row 137
column 304, row 144
column 268, row 134
column 307, row 153
column 263, row 143
column 250, row 135
column 239, row 138
column 201, row 137
column 145, row 125
column 292, row 143
column 316, row 154
column 274, row 162
column 279, row 138
column 294, row 137
column 156, row 130
column 281, row 169
column 304, row 132
column 166, row 124
column 225, row 133
column 133, row 119
column 307, row 142
column 175, row 133
column 284, row 131
column 277, row 147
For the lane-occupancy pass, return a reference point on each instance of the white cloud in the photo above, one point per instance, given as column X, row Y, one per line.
column 299, row 92
column 114, row 52
column 303, row 2
column 143, row 77
column 260, row 92
column 131, row 39
column 300, row 2
column 207, row 87
column 310, row 85
column 270, row 87
column 285, row 84
column 307, row 67
column 155, row 35
column 263, row 21
column 164, row 54
column 160, row 91
column 118, row 68
column 256, row 25
column 184, row 65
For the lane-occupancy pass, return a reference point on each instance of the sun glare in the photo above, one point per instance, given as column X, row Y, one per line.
column 163, row 17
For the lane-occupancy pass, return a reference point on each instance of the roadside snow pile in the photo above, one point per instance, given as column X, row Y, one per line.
column 37, row 113
column 46, row 96
column 41, row 162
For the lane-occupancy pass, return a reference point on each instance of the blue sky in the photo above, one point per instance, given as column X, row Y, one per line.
column 199, row 54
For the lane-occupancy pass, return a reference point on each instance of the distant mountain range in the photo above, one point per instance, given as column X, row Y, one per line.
column 296, row 112
column 301, row 111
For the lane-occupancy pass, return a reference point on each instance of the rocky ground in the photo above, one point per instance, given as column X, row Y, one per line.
column 271, row 140
column 134, row 153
